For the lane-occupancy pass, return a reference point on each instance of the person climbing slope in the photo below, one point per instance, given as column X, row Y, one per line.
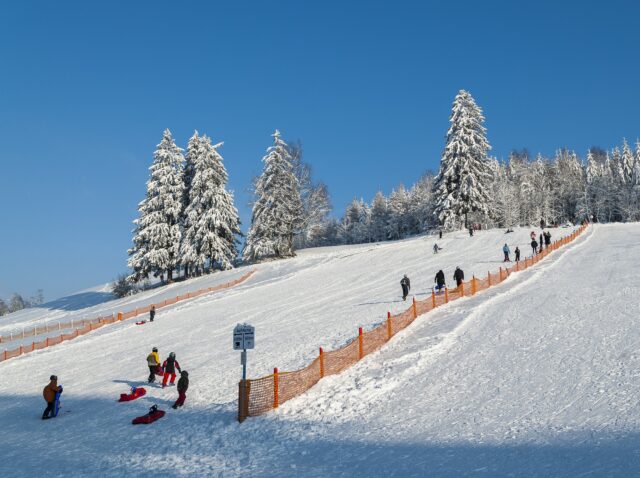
column 439, row 280
column 183, row 386
column 517, row 253
column 506, row 251
column 170, row 365
column 153, row 361
column 49, row 395
column 458, row 276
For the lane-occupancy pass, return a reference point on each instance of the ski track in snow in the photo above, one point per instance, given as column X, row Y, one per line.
column 537, row 376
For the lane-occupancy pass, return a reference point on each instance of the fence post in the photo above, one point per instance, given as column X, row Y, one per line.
column 446, row 295
column 120, row 316
column 415, row 309
column 389, row 330
column 276, row 398
column 474, row 286
column 61, row 338
column 46, row 342
column 489, row 278
column 461, row 289
column 433, row 299
column 360, row 344
column 501, row 279
column 21, row 350
column 243, row 400
column 321, row 362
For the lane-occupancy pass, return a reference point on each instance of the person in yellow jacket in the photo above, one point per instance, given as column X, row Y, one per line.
column 153, row 361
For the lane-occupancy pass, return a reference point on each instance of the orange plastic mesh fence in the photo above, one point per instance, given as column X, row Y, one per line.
column 265, row 393
column 85, row 326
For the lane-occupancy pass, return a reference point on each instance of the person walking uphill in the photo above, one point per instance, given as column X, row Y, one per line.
column 170, row 365
column 153, row 361
column 517, row 253
column 506, row 251
column 406, row 286
column 439, row 280
column 152, row 313
column 49, row 395
column 458, row 276
column 183, row 386
column 534, row 246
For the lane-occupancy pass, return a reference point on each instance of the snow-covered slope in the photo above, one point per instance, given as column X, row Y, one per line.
column 508, row 381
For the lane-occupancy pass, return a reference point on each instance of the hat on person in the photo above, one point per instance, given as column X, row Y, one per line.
column 154, row 349
column 53, row 377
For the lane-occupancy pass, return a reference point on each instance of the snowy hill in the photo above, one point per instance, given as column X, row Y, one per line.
column 532, row 377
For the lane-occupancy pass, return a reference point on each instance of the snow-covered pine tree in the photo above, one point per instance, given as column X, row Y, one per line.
column 636, row 166
column 463, row 182
column 379, row 218
column 398, row 208
column 626, row 163
column 211, row 219
column 356, row 223
column 277, row 210
column 421, row 204
column 156, row 240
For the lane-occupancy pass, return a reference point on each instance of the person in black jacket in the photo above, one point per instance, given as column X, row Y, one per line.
column 541, row 241
column 547, row 239
column 183, row 385
column 517, row 252
column 439, row 280
column 405, row 283
column 170, row 365
column 534, row 246
column 458, row 276
column 152, row 313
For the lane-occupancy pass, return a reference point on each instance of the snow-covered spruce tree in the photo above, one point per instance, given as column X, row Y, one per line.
column 277, row 210
column 398, row 221
column 379, row 218
column 463, row 182
column 356, row 223
column 421, row 204
column 211, row 223
column 156, row 240
column 316, row 203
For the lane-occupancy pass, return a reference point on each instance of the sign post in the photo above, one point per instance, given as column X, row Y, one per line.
column 243, row 339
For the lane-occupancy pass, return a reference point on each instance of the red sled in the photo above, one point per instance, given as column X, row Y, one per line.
column 159, row 371
column 142, row 322
column 127, row 397
column 148, row 418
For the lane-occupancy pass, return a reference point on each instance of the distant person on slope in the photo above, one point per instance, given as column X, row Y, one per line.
column 440, row 234
column 405, row 283
column 506, row 251
column 471, row 231
column 533, row 235
column 152, row 313
column 49, row 395
column 436, row 248
column 534, row 246
column 517, row 253
column 541, row 241
column 439, row 280
column 458, row 276
column 170, row 365
column 547, row 239
column 183, row 386
column 153, row 361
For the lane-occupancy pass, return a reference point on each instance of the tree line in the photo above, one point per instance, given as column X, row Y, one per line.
column 17, row 302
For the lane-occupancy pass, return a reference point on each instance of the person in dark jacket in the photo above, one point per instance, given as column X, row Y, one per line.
column 170, row 365
column 153, row 361
column 458, row 276
column 506, row 251
column 517, row 253
column 183, row 386
column 471, row 231
column 439, row 280
column 152, row 313
column 436, row 248
column 547, row 239
column 440, row 235
column 534, row 246
column 541, row 241
column 49, row 395
column 405, row 283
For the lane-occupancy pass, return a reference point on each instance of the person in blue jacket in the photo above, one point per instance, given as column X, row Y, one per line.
column 506, row 251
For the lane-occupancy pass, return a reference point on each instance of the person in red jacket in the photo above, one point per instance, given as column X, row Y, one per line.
column 170, row 365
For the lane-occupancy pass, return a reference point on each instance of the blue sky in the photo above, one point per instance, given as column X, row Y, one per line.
column 87, row 88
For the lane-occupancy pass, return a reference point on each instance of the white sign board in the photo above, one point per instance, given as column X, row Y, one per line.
column 243, row 337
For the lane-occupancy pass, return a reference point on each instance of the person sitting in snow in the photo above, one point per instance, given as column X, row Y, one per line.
column 153, row 361
column 405, row 283
column 170, row 365
column 183, row 385
column 49, row 395
column 439, row 280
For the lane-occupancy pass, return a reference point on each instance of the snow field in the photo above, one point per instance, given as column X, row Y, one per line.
column 316, row 299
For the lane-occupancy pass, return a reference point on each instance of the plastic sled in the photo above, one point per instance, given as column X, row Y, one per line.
column 148, row 418
column 137, row 393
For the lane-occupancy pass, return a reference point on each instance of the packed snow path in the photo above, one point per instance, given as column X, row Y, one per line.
column 534, row 377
